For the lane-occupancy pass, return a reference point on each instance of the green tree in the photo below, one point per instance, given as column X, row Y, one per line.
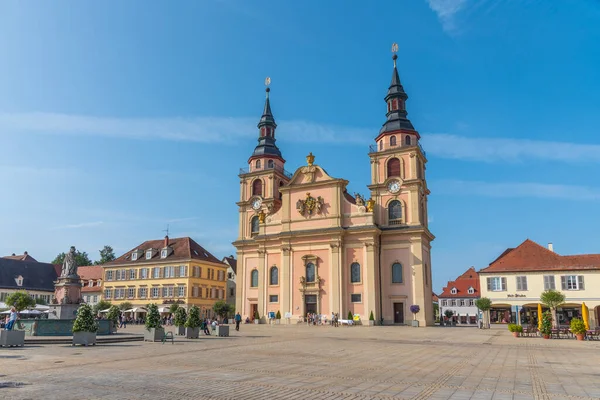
column 193, row 318
column 85, row 322
column 125, row 306
column 82, row 259
column 107, row 254
column 371, row 316
column 546, row 328
column 173, row 308
column 101, row 305
column 221, row 308
column 113, row 315
column 350, row 315
column 153, row 317
column 552, row 299
column 484, row 304
column 21, row 300
column 180, row 316
column 278, row 315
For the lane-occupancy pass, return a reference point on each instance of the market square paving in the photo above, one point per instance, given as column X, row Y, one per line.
column 301, row 362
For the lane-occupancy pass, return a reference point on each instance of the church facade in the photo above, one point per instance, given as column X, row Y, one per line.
column 305, row 245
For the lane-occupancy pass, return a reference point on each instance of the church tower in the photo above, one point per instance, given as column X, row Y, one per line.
column 399, row 189
column 260, row 182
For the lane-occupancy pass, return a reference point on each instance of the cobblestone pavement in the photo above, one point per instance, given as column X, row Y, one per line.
column 300, row 362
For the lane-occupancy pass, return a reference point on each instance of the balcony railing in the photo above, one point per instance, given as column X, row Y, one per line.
column 373, row 148
column 278, row 168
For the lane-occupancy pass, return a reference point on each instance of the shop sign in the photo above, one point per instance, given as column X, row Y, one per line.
column 516, row 295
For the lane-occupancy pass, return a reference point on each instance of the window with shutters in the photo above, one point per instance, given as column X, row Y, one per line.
column 572, row 282
column 144, row 273
column 165, row 291
column 254, row 278
column 471, row 302
column 496, row 284
column 549, row 283
column 182, row 271
column 257, row 187
column 181, row 291
column 132, row 274
column 142, row 293
column 462, row 302
column 393, row 167
column 130, row 293
column 453, row 303
column 521, row 283
column 397, row 273
column 155, row 292
column 108, row 294
column 355, row 273
column 195, row 291
column 109, row 275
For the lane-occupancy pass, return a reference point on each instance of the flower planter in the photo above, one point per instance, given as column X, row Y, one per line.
column 154, row 335
column 222, row 330
column 580, row 336
column 256, row 321
column 371, row 323
column 84, row 338
column 515, row 334
column 546, row 336
column 181, row 330
column 277, row 321
column 12, row 338
column 415, row 323
column 192, row 333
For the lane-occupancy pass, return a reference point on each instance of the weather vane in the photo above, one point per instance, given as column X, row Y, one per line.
column 395, row 50
column 267, row 81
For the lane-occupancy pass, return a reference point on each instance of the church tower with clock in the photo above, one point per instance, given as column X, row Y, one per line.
column 306, row 246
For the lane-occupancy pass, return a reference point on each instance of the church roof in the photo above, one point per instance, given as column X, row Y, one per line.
column 20, row 257
column 36, row 275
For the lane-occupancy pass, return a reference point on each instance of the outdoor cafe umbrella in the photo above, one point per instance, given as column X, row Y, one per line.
column 539, row 316
column 585, row 314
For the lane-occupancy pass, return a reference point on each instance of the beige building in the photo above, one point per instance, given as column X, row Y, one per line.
column 516, row 279
column 231, row 278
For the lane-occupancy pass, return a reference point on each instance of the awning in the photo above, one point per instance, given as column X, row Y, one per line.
column 163, row 309
column 107, row 310
column 136, row 309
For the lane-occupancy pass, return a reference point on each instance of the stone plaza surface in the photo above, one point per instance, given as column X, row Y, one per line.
column 301, row 362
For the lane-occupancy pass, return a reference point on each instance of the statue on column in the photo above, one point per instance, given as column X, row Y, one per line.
column 69, row 267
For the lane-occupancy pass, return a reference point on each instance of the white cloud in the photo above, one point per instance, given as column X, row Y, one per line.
column 516, row 190
column 80, row 225
column 446, row 11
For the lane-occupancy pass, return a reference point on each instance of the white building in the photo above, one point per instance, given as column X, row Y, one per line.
column 459, row 297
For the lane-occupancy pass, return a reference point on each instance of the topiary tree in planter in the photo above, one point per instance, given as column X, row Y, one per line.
column 484, row 304
column 256, row 317
column 546, row 329
column 414, row 309
column 371, row 319
column 552, row 299
column 350, row 317
column 154, row 330
column 578, row 328
column 278, row 317
column 180, row 317
column 85, row 326
column 192, row 324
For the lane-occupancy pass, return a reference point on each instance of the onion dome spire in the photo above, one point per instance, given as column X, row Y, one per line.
column 395, row 99
column 266, row 128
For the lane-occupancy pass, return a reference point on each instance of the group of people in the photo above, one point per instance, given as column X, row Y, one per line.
column 318, row 319
column 12, row 318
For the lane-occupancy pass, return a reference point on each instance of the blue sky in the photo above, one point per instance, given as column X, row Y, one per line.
column 118, row 118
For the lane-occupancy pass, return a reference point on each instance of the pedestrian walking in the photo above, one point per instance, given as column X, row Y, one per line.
column 11, row 319
column 238, row 319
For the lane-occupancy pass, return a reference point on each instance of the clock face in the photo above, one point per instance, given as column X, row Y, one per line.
column 256, row 203
column 394, row 186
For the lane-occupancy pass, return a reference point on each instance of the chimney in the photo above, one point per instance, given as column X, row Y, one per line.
column 166, row 241
column 25, row 253
column 13, row 254
column 550, row 247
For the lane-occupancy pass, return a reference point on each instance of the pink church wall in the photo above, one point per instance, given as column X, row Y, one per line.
column 401, row 291
column 351, row 255
column 252, row 293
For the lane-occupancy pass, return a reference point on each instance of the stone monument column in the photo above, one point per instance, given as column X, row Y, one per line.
column 67, row 290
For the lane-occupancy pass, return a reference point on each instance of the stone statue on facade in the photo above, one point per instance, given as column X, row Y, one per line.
column 300, row 206
column 69, row 267
column 359, row 199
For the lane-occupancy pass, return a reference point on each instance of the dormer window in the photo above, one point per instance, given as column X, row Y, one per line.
column 454, row 291
column 471, row 290
column 134, row 256
column 163, row 253
column 19, row 280
column 148, row 254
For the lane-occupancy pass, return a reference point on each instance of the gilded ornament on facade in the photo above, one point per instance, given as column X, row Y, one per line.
column 310, row 159
column 261, row 217
column 310, row 205
column 370, row 205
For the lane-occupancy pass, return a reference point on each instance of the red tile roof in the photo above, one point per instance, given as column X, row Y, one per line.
column 21, row 257
column 470, row 279
column 88, row 289
column 183, row 249
column 91, row 272
column 530, row 256
column 434, row 297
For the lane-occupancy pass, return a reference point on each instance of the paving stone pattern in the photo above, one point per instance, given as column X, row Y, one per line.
column 301, row 362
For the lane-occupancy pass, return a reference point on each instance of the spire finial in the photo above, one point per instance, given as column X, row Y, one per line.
column 267, row 83
column 395, row 50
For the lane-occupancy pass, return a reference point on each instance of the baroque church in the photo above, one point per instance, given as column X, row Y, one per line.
column 305, row 245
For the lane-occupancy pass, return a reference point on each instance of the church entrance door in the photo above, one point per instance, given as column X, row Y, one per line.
column 310, row 301
column 253, row 310
column 398, row 313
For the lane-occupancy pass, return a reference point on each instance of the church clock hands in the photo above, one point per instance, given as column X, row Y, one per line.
column 393, row 186
column 256, row 203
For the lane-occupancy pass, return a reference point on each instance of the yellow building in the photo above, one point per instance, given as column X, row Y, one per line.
column 515, row 281
column 165, row 272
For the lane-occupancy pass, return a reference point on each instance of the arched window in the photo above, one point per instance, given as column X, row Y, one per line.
column 395, row 211
column 254, row 225
column 392, row 140
column 397, row 273
column 257, row 165
column 270, row 164
column 310, row 272
column 280, row 194
column 257, row 187
column 274, row 276
column 407, row 140
column 355, row 272
column 393, row 167
column 381, row 145
column 254, row 278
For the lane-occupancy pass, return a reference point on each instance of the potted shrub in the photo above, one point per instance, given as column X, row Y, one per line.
column 277, row 318
column 113, row 316
column 515, row 329
column 371, row 319
column 546, row 329
column 350, row 317
column 578, row 328
column 180, row 320
column 85, row 326
column 414, row 309
column 192, row 324
column 256, row 317
column 449, row 314
column 154, row 330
